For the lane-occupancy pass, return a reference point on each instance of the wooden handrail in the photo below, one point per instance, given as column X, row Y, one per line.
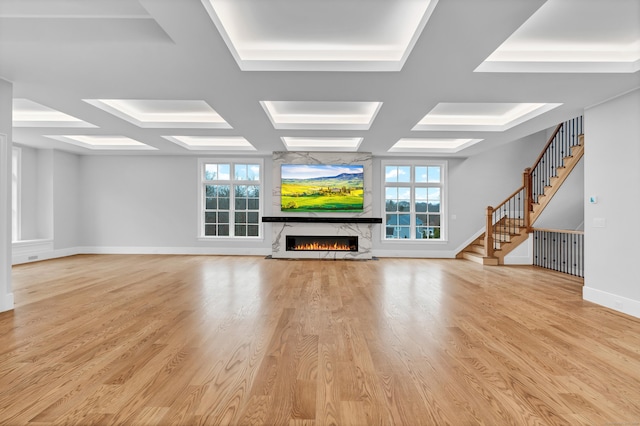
column 553, row 136
column 508, row 198
column 559, row 231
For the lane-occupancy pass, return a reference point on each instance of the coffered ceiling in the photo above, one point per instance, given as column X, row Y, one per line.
column 238, row 77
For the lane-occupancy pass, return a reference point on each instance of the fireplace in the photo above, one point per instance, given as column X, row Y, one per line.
column 321, row 243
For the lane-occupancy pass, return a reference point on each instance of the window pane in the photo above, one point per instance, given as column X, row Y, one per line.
column 210, row 190
column 210, row 217
column 210, row 230
column 391, row 206
column 224, row 172
column 241, row 190
column 422, row 233
column 240, row 230
column 241, row 203
column 433, row 194
column 223, row 203
column 404, row 199
column 391, row 193
column 421, row 206
column 252, row 217
column 404, row 174
column 434, row 220
column 421, row 193
column 223, row 230
column 434, row 208
column 210, row 171
column 223, row 217
column 212, row 204
column 253, row 172
column 240, row 172
column 253, row 204
column 241, row 217
column 434, row 173
column 421, row 174
column 421, row 219
column 253, row 191
column 404, row 193
column 391, row 174
column 253, row 230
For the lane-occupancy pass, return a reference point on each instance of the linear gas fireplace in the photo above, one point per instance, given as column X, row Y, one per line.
column 321, row 243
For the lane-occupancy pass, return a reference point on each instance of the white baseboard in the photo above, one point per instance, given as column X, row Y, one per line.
column 613, row 301
column 7, row 303
column 30, row 250
column 418, row 254
column 178, row 250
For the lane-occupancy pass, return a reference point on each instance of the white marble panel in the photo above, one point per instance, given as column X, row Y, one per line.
column 362, row 230
column 280, row 231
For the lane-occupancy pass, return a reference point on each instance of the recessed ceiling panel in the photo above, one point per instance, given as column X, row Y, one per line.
column 357, row 35
column 102, row 142
column 426, row 145
column 163, row 113
column 321, row 144
column 480, row 116
column 212, row 143
column 321, row 115
column 27, row 113
column 573, row 36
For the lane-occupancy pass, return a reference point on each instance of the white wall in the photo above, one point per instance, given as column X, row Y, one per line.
column 148, row 204
column 474, row 183
column 29, row 194
column 66, row 198
column 6, row 104
column 612, row 173
column 566, row 209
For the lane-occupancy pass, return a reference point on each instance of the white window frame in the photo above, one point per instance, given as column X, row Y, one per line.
column 16, row 193
column 202, row 183
column 443, row 185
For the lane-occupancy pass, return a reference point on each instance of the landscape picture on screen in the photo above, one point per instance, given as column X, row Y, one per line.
column 322, row 188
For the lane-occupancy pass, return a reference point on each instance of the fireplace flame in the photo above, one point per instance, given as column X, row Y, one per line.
column 322, row 246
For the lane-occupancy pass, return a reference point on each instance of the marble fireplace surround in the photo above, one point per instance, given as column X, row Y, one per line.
column 322, row 224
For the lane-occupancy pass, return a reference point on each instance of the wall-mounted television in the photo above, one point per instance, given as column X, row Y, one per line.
column 322, row 188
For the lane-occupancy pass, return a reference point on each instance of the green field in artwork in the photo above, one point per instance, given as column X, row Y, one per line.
column 340, row 193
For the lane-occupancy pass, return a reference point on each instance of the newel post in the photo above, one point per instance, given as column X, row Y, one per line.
column 488, row 235
column 528, row 198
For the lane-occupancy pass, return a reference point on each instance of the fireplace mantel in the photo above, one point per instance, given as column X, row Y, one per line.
column 320, row 219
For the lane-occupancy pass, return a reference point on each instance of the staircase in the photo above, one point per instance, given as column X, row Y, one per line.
column 509, row 224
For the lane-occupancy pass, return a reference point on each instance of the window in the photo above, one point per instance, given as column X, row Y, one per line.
column 414, row 200
column 230, row 198
column 15, row 193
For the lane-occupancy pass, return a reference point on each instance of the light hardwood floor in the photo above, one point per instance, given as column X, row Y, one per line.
column 155, row 340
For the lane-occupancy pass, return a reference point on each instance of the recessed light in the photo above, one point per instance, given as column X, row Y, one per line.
column 27, row 113
column 350, row 35
column 321, row 144
column 153, row 113
column 606, row 40
column 197, row 143
column 345, row 115
column 102, row 142
column 481, row 116
column 432, row 145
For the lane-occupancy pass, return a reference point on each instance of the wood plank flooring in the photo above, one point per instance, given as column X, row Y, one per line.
column 221, row 340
